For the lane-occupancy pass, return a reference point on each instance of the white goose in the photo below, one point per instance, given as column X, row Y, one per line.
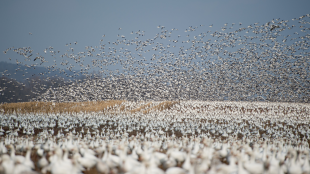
column 294, row 166
column 241, row 161
column 170, row 163
column 58, row 165
column 23, row 169
column 273, row 165
column 176, row 154
column 152, row 169
column 176, row 170
column 128, row 161
column 187, row 163
column 88, row 160
column 16, row 158
column 252, row 166
column 77, row 167
column 112, row 160
column 231, row 168
column 42, row 162
column 28, row 162
column 146, row 168
column 7, row 164
column 102, row 167
column 306, row 165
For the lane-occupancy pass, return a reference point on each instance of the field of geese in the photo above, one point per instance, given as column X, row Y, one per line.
column 155, row 137
column 233, row 99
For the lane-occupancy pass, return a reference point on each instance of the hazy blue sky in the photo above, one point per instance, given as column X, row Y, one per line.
column 56, row 23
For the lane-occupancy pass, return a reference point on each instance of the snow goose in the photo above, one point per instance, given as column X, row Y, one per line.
column 7, row 164
column 187, row 163
column 88, row 160
column 23, row 169
column 113, row 161
column 3, row 149
column 77, row 168
column 102, row 167
column 161, row 157
column 138, row 170
column 39, row 151
column 134, row 154
column 176, row 154
column 231, row 168
column 148, row 166
column 58, row 165
column 176, row 170
column 252, row 166
column 28, row 162
column 203, row 163
column 129, row 162
column 306, row 165
column 224, row 151
column 151, row 169
column 170, row 163
column 294, row 166
column 16, row 158
column 215, row 163
column 241, row 161
column 42, row 162
column 273, row 164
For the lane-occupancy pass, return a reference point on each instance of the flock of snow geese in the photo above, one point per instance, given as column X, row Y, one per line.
column 231, row 116
column 190, row 137
column 258, row 62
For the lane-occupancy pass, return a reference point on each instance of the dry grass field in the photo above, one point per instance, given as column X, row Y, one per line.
column 51, row 107
column 77, row 107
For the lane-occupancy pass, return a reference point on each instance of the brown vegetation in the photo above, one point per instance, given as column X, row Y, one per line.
column 76, row 107
column 141, row 107
column 162, row 106
column 51, row 107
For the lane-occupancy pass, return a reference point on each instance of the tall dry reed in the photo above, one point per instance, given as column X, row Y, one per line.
column 51, row 107
column 161, row 106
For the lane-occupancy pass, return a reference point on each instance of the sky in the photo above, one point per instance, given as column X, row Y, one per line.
column 42, row 24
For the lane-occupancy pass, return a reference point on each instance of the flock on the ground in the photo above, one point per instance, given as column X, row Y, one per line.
column 190, row 137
